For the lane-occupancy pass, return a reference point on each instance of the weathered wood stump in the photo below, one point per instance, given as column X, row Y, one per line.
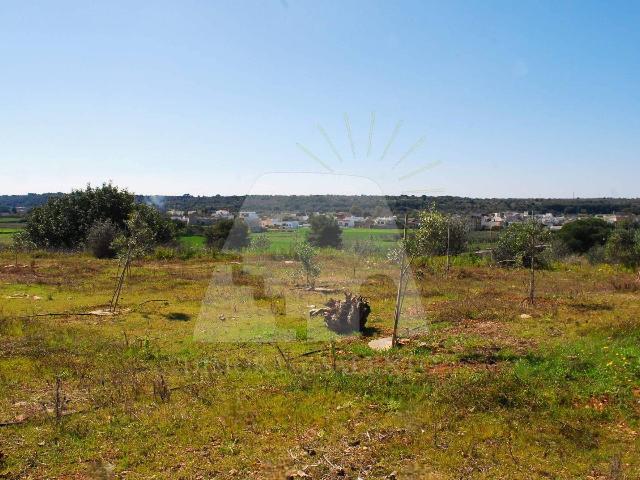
column 344, row 316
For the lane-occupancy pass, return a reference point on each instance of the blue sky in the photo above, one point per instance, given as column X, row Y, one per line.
column 487, row 99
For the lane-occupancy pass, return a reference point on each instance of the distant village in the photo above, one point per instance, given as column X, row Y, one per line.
column 291, row 221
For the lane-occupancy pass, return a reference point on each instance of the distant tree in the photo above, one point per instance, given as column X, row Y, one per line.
column 100, row 239
column 324, row 232
column 306, row 254
column 230, row 234
column 355, row 210
column 583, row 235
column 623, row 246
column 523, row 245
column 440, row 234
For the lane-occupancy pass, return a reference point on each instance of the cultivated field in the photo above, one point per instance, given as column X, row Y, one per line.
column 483, row 387
column 9, row 226
column 282, row 241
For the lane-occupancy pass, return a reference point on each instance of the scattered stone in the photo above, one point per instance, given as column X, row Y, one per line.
column 103, row 312
column 322, row 290
column 524, row 316
column 297, row 474
column 381, row 344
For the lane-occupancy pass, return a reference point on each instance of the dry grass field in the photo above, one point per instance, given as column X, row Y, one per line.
column 483, row 387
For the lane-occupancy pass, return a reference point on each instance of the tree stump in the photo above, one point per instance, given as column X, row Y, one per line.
column 345, row 316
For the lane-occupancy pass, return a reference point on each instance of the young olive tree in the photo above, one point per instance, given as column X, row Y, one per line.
column 523, row 245
column 138, row 240
column 307, row 255
column 21, row 243
column 402, row 255
column 361, row 249
column 440, row 234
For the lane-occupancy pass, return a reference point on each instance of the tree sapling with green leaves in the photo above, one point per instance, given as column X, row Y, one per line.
column 138, row 240
column 307, row 255
column 524, row 245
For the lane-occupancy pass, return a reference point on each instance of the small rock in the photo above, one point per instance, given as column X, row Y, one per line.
column 380, row 344
column 297, row 474
column 524, row 316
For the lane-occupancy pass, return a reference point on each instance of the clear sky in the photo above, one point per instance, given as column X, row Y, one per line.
column 486, row 98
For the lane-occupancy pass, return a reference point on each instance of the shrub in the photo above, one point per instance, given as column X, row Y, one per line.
column 164, row 253
column 260, row 243
column 623, row 246
column 230, row 234
column 100, row 239
column 65, row 220
column 324, row 232
column 438, row 233
column 163, row 229
column 583, row 235
column 596, row 255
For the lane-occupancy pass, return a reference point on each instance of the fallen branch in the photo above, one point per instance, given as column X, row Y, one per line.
column 61, row 314
column 61, row 414
column 313, row 352
column 284, row 357
column 153, row 300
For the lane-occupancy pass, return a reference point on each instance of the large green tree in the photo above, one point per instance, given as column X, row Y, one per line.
column 584, row 234
column 65, row 220
column 324, row 232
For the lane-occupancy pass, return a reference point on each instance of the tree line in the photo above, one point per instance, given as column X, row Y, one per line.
column 359, row 204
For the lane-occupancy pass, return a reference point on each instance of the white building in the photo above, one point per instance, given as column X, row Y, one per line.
column 494, row 221
column 351, row 221
column 385, row 222
column 222, row 214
